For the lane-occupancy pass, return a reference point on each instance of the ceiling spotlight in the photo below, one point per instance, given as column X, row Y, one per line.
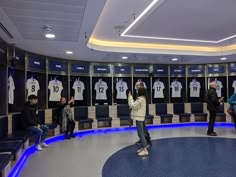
column 50, row 35
column 223, row 58
column 174, row 59
column 69, row 52
column 124, row 57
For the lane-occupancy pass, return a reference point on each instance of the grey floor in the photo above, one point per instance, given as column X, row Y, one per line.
column 85, row 157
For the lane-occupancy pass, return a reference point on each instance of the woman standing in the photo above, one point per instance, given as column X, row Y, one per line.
column 138, row 113
column 232, row 102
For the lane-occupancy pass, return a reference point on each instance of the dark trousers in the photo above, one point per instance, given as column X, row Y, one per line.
column 211, row 121
column 146, row 133
column 70, row 127
column 40, row 133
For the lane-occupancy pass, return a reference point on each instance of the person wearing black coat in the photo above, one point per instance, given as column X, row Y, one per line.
column 31, row 122
column 213, row 104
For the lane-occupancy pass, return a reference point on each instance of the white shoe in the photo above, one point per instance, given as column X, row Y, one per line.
column 44, row 145
column 138, row 151
column 38, row 147
column 143, row 153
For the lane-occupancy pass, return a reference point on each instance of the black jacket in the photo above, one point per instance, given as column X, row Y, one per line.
column 212, row 100
column 29, row 115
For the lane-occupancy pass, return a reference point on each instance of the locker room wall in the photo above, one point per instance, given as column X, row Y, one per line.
column 18, row 76
column 64, row 93
column 41, row 78
column 86, row 92
column 108, row 80
column 147, row 82
column 128, row 80
column 165, row 81
column 224, row 89
column 231, row 89
column 182, row 97
column 202, row 89
column 3, row 76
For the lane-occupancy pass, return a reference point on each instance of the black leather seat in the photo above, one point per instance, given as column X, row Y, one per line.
column 102, row 116
column 197, row 111
column 17, row 132
column 123, row 113
column 161, row 110
column 220, row 115
column 4, row 161
column 81, row 115
column 180, row 111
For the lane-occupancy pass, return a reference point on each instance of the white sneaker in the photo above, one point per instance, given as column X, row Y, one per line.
column 143, row 153
column 44, row 145
column 38, row 147
column 138, row 151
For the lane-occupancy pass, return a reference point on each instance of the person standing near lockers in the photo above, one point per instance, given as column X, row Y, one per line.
column 232, row 102
column 146, row 133
column 138, row 112
column 213, row 104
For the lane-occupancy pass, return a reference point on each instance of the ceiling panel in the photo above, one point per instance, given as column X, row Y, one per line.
column 188, row 19
column 45, row 21
column 43, row 14
column 61, row 2
column 41, row 6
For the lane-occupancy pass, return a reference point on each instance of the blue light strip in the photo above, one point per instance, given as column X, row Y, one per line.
column 15, row 172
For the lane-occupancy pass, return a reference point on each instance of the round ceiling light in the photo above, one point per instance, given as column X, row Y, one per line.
column 50, row 35
column 223, row 58
column 174, row 59
column 69, row 52
column 124, row 57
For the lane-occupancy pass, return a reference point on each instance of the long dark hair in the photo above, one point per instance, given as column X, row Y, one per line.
column 142, row 92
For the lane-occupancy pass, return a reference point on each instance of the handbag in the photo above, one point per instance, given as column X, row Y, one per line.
column 230, row 111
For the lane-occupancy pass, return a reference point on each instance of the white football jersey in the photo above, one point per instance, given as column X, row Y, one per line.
column 234, row 86
column 55, row 87
column 11, row 88
column 78, row 86
column 121, row 88
column 176, row 89
column 194, row 88
column 144, row 84
column 101, row 88
column 158, row 87
column 32, row 86
column 219, row 86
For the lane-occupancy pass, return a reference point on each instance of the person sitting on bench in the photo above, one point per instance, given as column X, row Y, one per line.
column 31, row 122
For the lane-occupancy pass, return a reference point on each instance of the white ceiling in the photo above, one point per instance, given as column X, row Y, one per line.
column 71, row 19
column 210, row 20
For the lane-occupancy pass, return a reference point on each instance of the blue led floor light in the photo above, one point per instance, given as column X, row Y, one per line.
column 31, row 150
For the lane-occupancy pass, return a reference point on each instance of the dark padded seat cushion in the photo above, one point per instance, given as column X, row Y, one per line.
column 200, row 114
column 149, row 116
column 185, row 115
column 88, row 120
column 104, row 119
column 22, row 136
column 166, row 115
column 10, row 146
column 4, row 160
column 124, row 118
column 221, row 114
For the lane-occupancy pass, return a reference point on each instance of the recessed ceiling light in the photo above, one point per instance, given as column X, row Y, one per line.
column 174, row 59
column 124, row 57
column 223, row 58
column 50, row 35
column 69, row 52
